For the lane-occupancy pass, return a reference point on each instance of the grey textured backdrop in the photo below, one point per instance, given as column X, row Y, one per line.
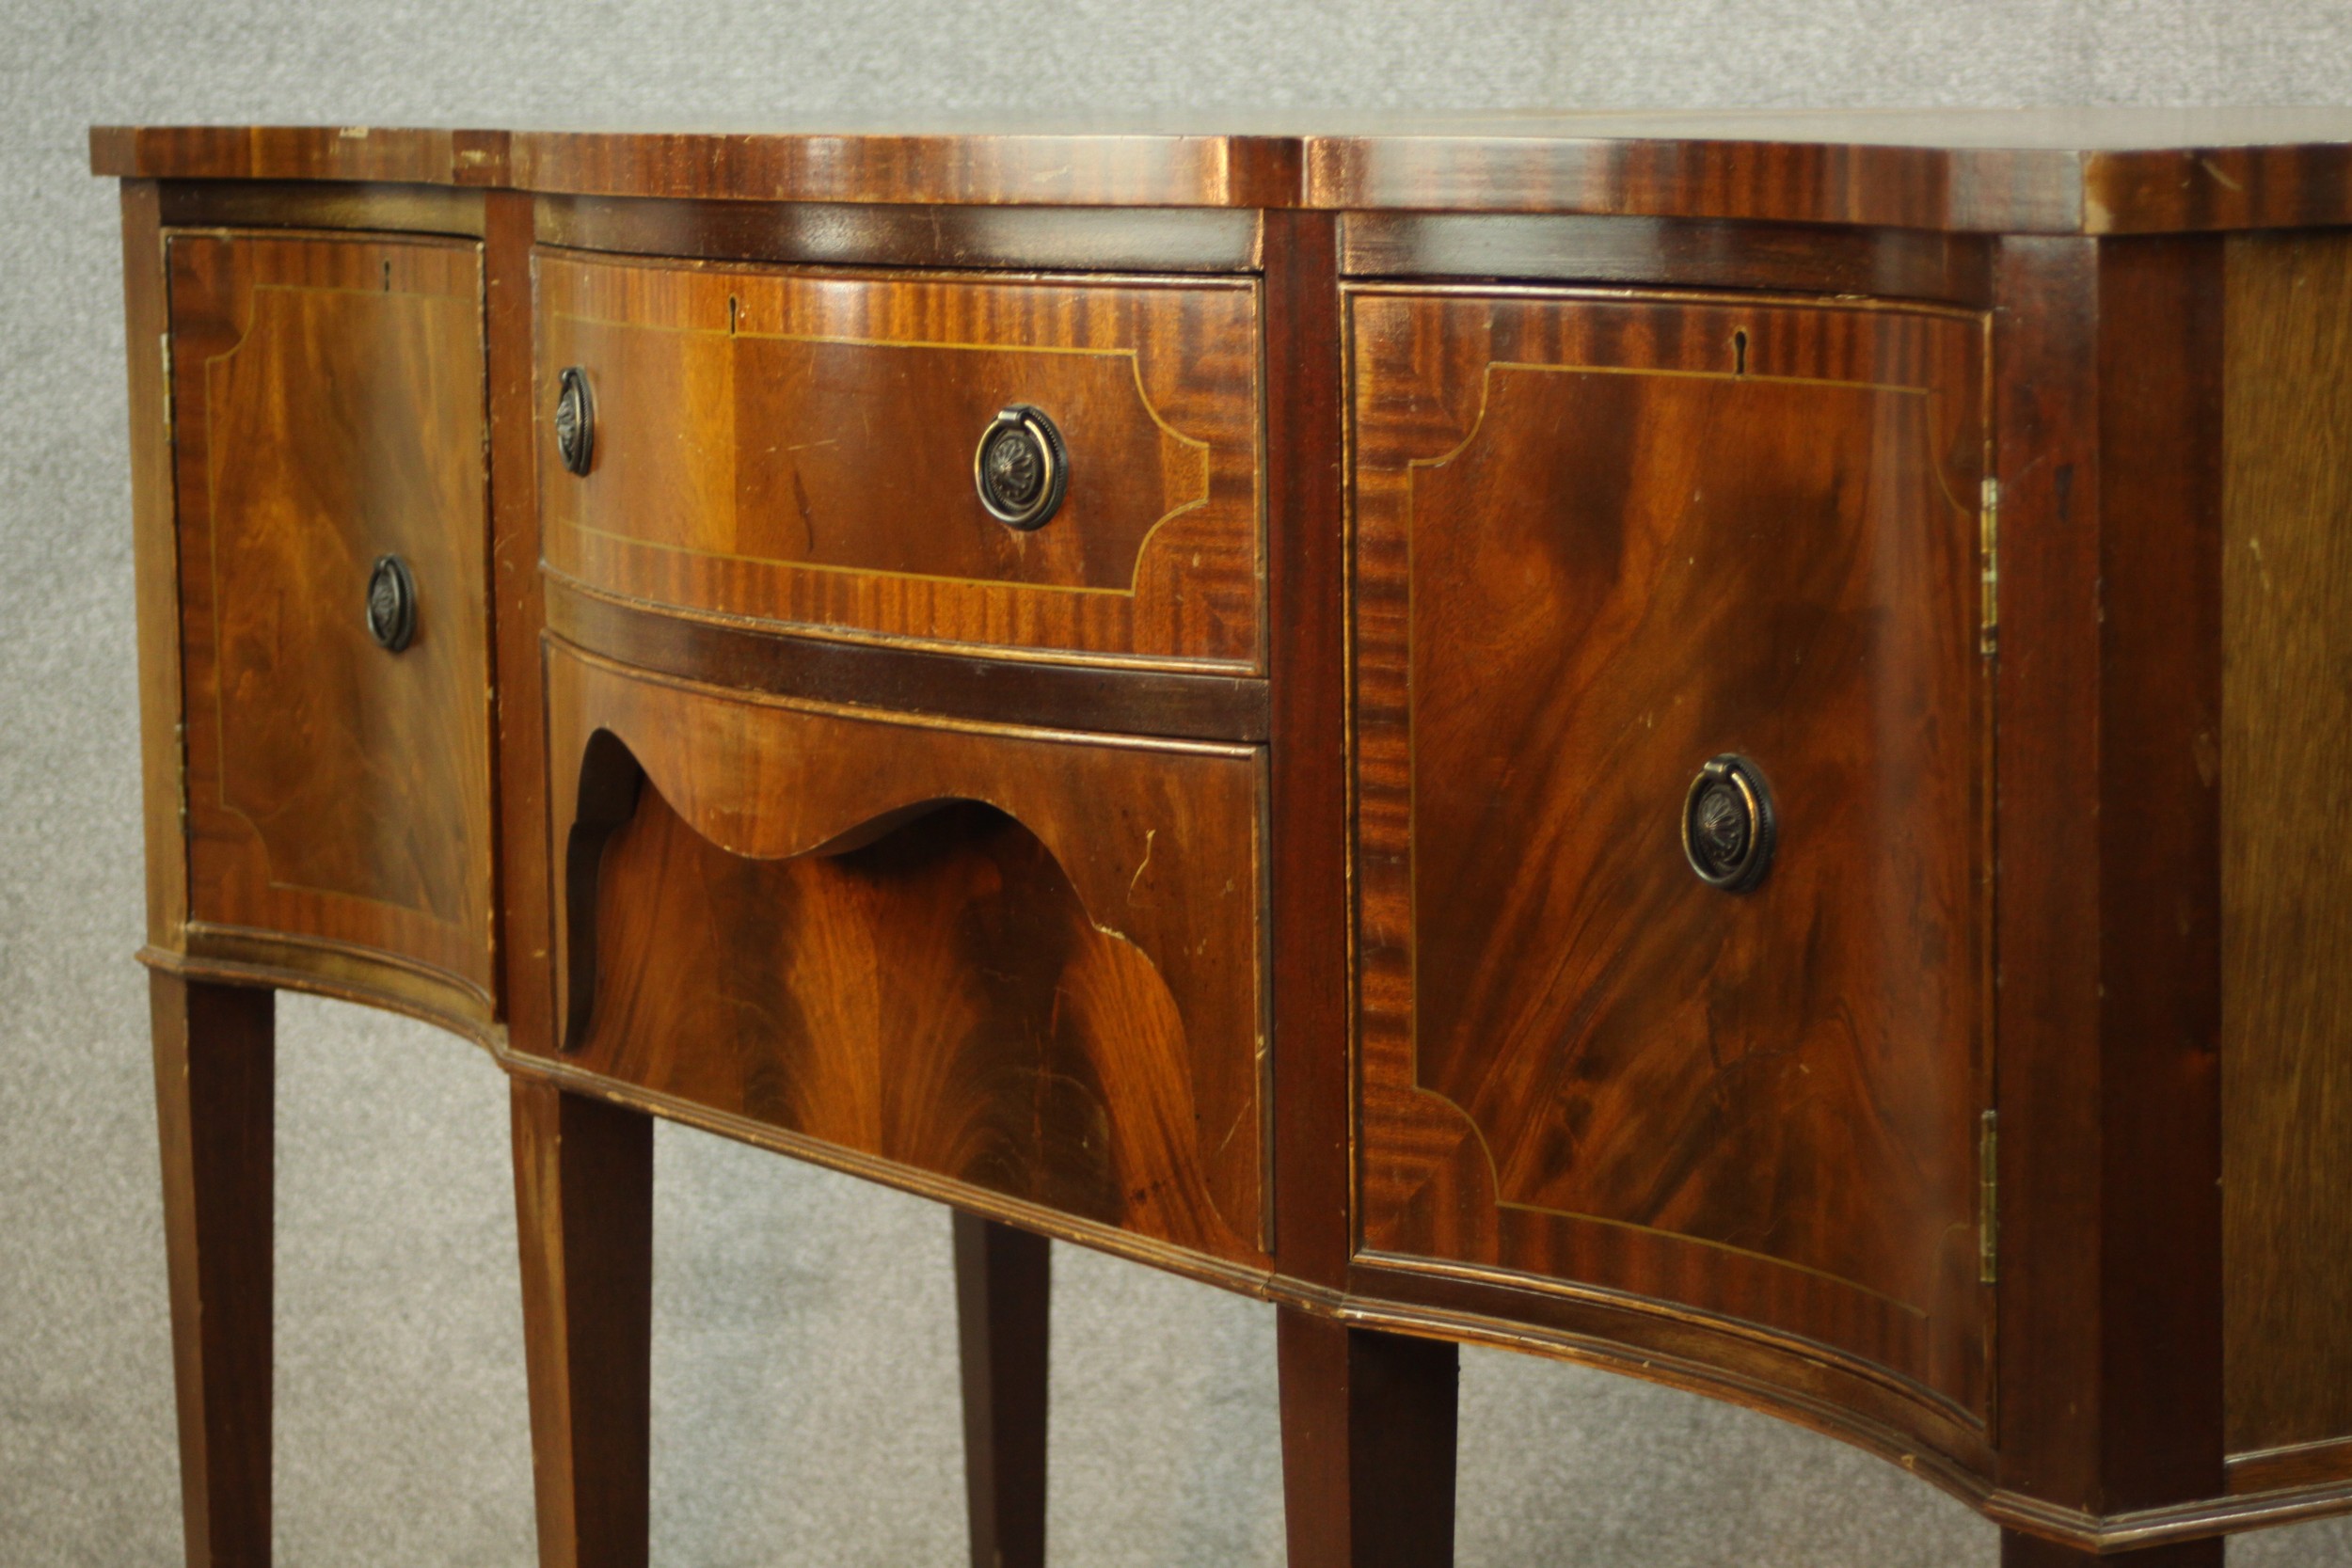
column 804, row 1400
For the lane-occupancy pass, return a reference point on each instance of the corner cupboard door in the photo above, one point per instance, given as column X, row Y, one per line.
column 1602, row 543
column 327, row 401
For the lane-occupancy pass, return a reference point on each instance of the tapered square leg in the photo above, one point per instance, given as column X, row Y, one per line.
column 2019, row 1550
column 1003, row 1310
column 584, row 1200
column 216, row 1079
column 1368, row 1428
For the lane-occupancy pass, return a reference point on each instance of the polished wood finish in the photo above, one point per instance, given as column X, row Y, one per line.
column 2019, row 1550
column 1054, row 915
column 329, row 204
column 2159, row 857
column 2091, row 171
column 216, row 1079
column 1887, row 263
column 155, row 558
column 526, row 931
column 867, row 233
column 1368, row 1430
column 355, row 154
column 1177, row 704
column 798, row 447
column 2107, row 417
column 328, row 410
column 1650, row 531
column 2094, row 171
column 2045, row 436
column 1310, row 922
column 584, row 1205
column 2286, row 904
column 1023, row 959
column 1002, row 1317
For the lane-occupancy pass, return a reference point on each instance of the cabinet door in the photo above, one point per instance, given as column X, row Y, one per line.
column 327, row 401
column 1602, row 541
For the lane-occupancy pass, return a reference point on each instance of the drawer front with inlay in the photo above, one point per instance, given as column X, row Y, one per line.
column 1672, row 760
column 1056, row 469
column 969, row 957
column 327, row 403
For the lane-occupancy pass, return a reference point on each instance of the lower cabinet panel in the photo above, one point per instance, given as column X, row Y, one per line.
column 328, row 413
column 1019, row 959
column 1600, row 542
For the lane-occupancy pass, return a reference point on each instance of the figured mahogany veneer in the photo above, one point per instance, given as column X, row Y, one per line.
column 326, row 403
column 1270, row 868
column 1600, row 540
column 797, row 449
column 1024, row 960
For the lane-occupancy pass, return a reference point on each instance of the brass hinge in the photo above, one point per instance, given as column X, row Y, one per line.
column 1989, row 524
column 167, row 342
column 1988, row 1198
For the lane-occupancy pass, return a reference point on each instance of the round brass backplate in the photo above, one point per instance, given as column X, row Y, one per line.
column 1021, row 469
column 1728, row 830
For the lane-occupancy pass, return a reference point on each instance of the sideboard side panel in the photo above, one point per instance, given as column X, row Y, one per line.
column 154, row 548
column 2286, row 756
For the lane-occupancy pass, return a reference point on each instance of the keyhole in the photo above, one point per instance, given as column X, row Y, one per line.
column 1740, row 352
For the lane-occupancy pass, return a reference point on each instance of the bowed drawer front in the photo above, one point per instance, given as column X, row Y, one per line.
column 803, row 449
column 999, row 958
column 1603, row 543
column 328, row 410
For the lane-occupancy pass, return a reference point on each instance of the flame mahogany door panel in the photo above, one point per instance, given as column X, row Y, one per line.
column 327, row 399
column 1600, row 540
column 1013, row 960
column 797, row 447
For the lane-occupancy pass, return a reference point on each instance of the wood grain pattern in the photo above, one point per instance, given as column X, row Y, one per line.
column 1368, row 1445
column 797, row 448
column 869, row 234
column 1017, row 165
column 1022, row 959
column 526, row 931
column 328, row 398
column 2046, row 436
column 370, row 206
column 1004, row 1316
column 584, row 1205
column 2287, row 748
column 155, row 562
column 1578, row 1060
column 1310, row 918
column 340, row 152
column 2111, row 171
column 2159, row 859
column 215, row 1083
column 1890, row 264
column 1172, row 703
column 2046, row 170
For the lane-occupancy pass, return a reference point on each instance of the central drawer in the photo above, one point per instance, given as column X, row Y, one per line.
column 960, row 956
column 809, row 448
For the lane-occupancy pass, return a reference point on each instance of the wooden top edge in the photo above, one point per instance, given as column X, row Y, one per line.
column 2039, row 172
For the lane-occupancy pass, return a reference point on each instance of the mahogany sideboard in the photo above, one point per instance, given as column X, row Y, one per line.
column 1711, row 745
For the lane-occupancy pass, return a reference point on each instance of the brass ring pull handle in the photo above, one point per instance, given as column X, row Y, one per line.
column 392, row 603
column 1021, row 468
column 1728, row 830
column 575, row 422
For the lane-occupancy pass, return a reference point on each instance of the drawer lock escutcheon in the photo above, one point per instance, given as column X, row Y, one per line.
column 1021, row 468
column 1727, row 824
